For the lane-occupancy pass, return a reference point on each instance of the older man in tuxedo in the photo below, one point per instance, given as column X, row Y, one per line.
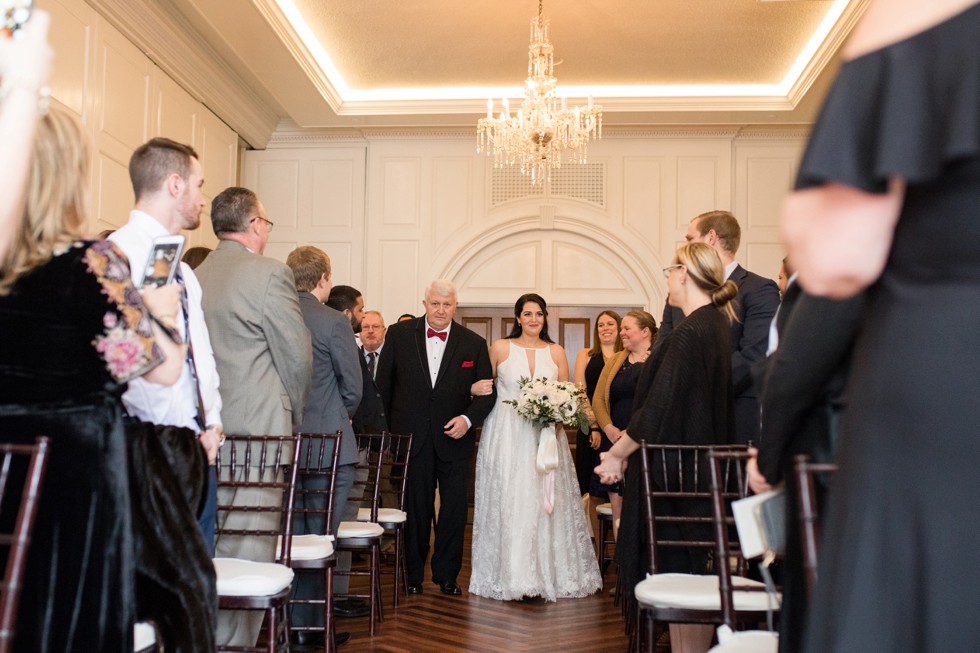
column 755, row 307
column 264, row 357
column 426, row 369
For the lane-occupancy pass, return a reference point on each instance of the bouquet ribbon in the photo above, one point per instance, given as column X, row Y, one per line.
column 546, row 464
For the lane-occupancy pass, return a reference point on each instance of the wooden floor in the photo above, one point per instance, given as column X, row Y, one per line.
column 435, row 622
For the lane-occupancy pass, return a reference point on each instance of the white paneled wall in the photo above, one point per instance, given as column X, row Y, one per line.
column 395, row 210
column 315, row 196
column 123, row 99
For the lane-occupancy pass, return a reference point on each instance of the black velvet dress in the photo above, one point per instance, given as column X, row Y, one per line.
column 584, row 454
column 898, row 569
column 74, row 331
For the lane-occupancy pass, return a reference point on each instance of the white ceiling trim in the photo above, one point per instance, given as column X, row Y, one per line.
column 167, row 39
column 292, row 29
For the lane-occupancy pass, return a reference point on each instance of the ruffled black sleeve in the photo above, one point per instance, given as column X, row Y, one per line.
column 906, row 110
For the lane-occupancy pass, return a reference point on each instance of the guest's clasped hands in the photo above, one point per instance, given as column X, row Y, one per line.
column 610, row 468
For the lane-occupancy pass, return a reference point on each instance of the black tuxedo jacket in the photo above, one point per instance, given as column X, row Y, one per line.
column 370, row 416
column 414, row 405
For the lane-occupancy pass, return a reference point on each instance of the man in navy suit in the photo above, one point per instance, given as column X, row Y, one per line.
column 755, row 307
column 335, row 394
column 425, row 372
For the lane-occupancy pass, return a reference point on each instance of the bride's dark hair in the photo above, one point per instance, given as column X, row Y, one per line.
column 519, row 306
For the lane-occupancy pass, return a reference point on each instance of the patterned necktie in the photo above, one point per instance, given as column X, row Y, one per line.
column 372, row 361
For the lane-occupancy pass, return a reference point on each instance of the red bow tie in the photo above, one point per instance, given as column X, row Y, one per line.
column 432, row 333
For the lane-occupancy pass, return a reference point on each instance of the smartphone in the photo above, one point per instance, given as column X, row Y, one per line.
column 162, row 264
column 15, row 13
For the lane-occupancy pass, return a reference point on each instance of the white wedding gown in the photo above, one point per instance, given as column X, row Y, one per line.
column 518, row 548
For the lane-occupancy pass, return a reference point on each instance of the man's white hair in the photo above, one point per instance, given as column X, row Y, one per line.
column 440, row 287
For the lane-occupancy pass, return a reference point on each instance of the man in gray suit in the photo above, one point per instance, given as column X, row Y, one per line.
column 264, row 358
column 334, row 397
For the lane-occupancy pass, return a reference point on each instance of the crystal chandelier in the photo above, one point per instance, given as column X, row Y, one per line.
column 544, row 131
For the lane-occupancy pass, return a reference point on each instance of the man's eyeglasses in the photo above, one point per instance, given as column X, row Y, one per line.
column 667, row 269
column 268, row 222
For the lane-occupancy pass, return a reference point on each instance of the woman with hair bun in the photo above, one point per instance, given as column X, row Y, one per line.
column 684, row 396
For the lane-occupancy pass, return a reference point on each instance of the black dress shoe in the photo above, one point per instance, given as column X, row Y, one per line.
column 351, row 608
column 450, row 588
column 415, row 589
column 339, row 639
column 311, row 639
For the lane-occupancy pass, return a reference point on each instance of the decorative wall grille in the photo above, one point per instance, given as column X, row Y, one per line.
column 584, row 182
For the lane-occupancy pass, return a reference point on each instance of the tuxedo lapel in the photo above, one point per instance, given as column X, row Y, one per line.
column 451, row 343
column 422, row 352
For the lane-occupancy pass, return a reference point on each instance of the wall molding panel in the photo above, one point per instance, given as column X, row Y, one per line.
column 434, row 208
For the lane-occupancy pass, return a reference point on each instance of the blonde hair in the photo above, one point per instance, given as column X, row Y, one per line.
column 705, row 269
column 55, row 210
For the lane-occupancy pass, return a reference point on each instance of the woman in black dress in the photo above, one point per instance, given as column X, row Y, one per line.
column 74, row 330
column 886, row 199
column 613, row 400
column 588, row 366
column 684, row 396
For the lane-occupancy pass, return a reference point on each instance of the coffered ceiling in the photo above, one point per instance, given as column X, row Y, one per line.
column 342, row 64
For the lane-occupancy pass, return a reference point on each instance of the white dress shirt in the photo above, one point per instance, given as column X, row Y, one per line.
column 434, row 349
column 729, row 269
column 174, row 405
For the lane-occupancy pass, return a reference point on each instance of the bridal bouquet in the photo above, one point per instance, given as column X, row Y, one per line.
column 543, row 402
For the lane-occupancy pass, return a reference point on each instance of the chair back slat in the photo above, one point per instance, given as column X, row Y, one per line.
column 259, row 462
column 394, row 472
column 317, row 477
column 689, row 488
column 729, row 482
column 805, row 472
column 18, row 541
column 370, row 469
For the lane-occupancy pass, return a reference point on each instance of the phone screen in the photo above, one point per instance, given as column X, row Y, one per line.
column 162, row 264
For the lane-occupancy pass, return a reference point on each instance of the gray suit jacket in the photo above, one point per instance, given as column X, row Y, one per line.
column 337, row 379
column 260, row 343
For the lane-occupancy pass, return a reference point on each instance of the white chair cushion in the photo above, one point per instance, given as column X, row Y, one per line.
column 308, row 547
column 238, row 577
column 385, row 515
column 144, row 636
column 604, row 509
column 746, row 641
column 694, row 592
column 359, row 529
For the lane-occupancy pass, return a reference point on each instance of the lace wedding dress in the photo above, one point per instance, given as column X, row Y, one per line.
column 518, row 548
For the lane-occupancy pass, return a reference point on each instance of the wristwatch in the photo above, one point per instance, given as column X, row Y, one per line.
column 595, row 429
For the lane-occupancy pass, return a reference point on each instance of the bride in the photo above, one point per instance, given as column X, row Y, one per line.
column 519, row 549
